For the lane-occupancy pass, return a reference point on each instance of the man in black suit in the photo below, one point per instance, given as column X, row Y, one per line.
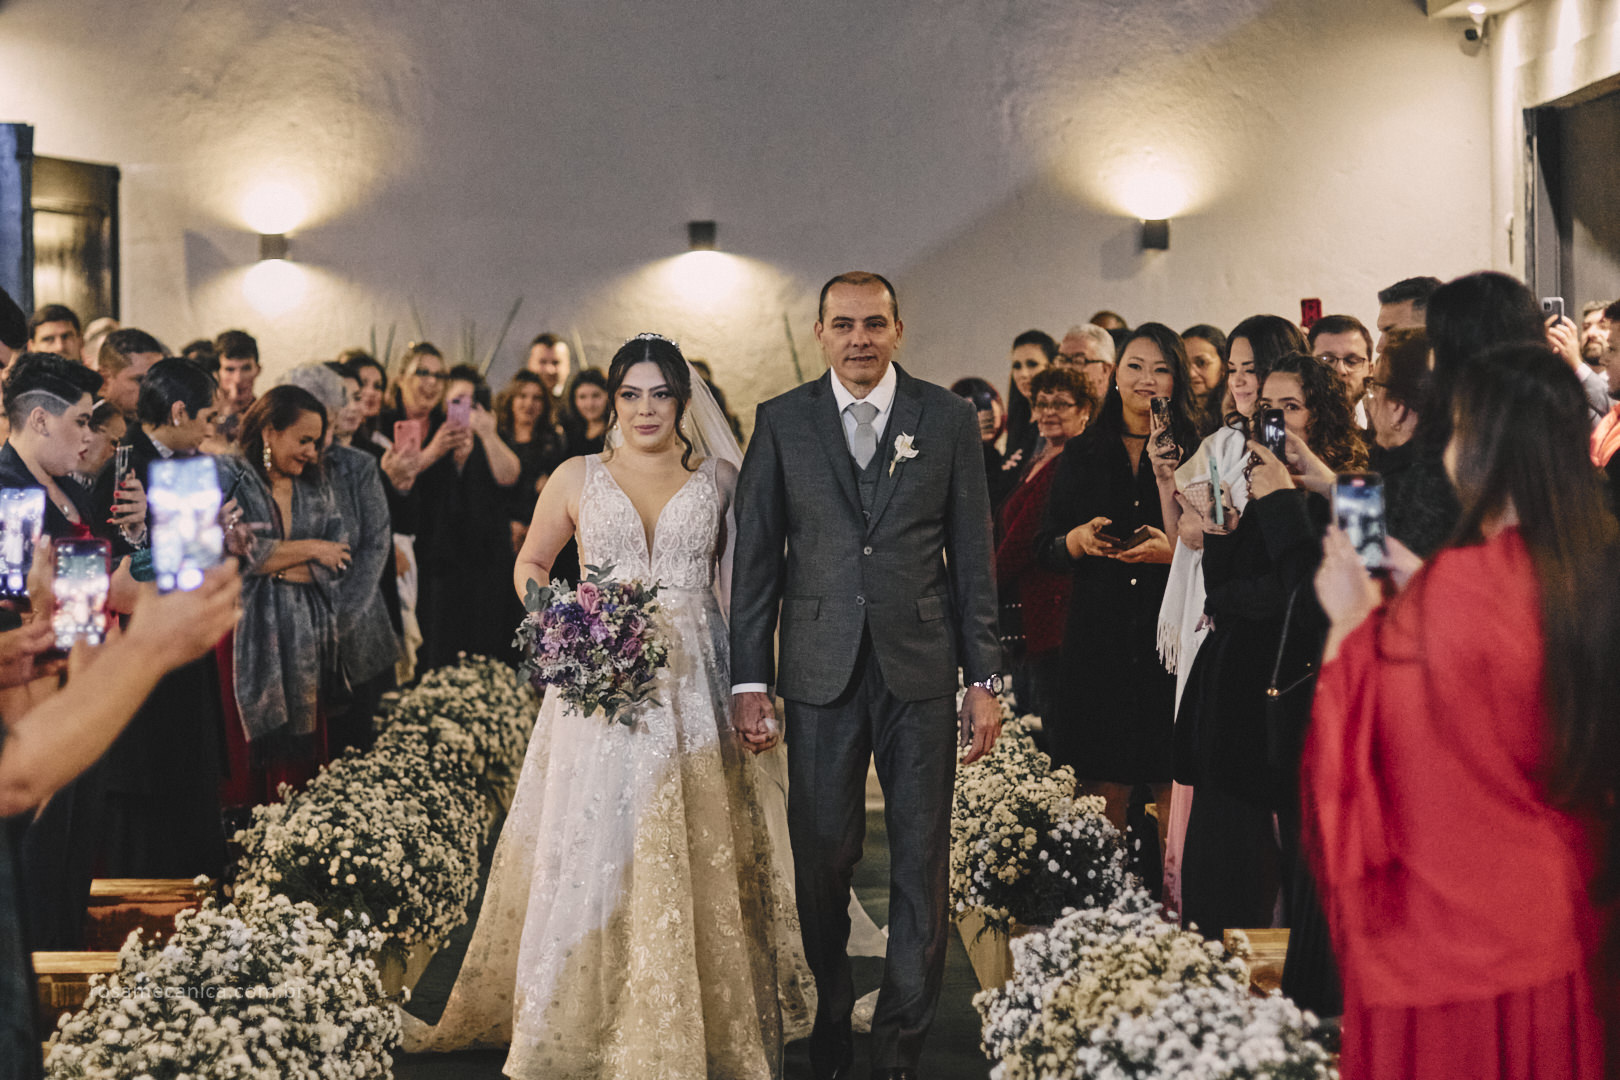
column 863, row 515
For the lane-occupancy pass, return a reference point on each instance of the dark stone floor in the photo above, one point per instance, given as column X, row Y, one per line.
column 952, row 1052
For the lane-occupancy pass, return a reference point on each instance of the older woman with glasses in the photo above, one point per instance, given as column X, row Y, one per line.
column 1035, row 600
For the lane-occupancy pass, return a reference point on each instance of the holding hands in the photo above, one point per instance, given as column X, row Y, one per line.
column 753, row 717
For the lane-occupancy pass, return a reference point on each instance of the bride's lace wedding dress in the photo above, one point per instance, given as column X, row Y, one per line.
column 638, row 921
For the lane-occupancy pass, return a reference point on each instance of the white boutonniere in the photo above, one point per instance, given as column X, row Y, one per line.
column 904, row 450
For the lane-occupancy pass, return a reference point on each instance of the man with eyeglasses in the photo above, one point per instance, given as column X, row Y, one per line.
column 1344, row 343
column 1089, row 349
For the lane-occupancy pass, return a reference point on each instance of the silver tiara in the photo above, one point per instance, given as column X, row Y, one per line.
column 650, row 336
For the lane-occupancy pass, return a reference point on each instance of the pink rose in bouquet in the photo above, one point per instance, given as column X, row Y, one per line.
column 599, row 644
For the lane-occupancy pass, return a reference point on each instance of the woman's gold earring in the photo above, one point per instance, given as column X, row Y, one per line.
column 267, row 461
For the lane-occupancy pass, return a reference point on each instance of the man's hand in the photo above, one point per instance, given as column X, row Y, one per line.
column 981, row 722
column 754, row 718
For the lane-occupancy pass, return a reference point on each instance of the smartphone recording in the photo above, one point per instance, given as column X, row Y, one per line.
column 22, row 519
column 187, row 538
column 80, row 590
column 1358, row 509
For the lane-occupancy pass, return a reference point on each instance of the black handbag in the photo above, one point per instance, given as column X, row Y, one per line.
column 1289, row 697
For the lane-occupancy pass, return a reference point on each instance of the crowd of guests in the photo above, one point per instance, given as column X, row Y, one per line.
column 374, row 515
column 1411, row 767
column 1414, row 767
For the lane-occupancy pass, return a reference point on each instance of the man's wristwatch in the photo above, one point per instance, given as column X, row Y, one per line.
column 992, row 685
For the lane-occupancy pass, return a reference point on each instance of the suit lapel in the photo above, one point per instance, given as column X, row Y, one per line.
column 903, row 420
column 830, row 430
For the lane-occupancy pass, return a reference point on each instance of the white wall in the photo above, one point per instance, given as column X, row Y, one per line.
column 992, row 157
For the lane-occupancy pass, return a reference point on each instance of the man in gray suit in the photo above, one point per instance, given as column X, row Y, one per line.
column 863, row 514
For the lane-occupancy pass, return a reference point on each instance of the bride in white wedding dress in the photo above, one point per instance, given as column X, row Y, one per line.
column 639, row 919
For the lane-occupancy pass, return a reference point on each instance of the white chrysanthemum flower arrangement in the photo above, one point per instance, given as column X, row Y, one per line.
column 394, row 833
column 379, row 852
column 1122, row 991
column 259, row 988
column 1024, row 848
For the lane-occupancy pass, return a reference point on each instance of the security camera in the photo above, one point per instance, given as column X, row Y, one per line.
column 1476, row 33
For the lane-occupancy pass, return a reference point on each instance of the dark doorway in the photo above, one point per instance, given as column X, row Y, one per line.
column 1573, row 246
column 58, row 228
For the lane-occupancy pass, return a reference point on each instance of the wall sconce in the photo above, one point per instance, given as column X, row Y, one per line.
column 272, row 246
column 700, row 236
column 1156, row 234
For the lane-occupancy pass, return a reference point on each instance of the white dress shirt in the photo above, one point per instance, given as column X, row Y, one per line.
column 882, row 396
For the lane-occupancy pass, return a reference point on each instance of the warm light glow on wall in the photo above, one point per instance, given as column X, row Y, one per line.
column 704, row 279
column 1149, row 186
column 275, row 286
column 275, row 206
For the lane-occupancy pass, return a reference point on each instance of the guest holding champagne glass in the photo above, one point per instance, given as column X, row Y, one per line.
column 163, row 772
column 1105, row 526
column 1461, row 773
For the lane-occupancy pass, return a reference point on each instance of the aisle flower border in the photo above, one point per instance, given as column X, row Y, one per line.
column 378, row 854
column 1114, row 987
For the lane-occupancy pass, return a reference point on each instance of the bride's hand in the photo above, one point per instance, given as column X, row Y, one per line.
column 754, row 719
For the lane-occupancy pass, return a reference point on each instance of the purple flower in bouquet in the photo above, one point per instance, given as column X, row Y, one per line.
column 599, row 645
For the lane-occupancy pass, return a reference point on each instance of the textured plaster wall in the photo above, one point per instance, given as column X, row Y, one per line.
column 991, row 155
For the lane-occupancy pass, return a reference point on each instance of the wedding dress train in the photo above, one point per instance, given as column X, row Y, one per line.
column 639, row 921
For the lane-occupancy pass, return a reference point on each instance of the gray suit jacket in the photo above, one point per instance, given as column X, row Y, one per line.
column 918, row 574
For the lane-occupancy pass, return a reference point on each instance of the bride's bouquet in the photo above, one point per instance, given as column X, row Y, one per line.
column 599, row 644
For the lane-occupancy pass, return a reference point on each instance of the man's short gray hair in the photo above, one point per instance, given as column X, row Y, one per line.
column 1097, row 336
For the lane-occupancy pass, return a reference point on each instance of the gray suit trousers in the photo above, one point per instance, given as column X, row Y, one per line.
column 914, row 745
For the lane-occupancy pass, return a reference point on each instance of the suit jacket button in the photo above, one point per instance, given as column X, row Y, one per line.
column 1133, row 581
column 860, row 601
column 866, row 551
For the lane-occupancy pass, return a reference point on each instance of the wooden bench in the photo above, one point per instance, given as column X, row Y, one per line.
column 62, row 981
column 119, row 905
column 1267, row 951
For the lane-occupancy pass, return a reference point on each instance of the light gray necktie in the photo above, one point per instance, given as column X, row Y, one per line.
column 864, row 445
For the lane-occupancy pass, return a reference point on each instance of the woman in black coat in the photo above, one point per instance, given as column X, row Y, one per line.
column 1235, row 744
column 1115, row 710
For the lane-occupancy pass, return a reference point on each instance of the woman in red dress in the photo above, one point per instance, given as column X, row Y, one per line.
column 1461, row 762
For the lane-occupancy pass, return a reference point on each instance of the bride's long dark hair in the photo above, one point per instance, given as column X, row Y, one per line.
column 651, row 349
